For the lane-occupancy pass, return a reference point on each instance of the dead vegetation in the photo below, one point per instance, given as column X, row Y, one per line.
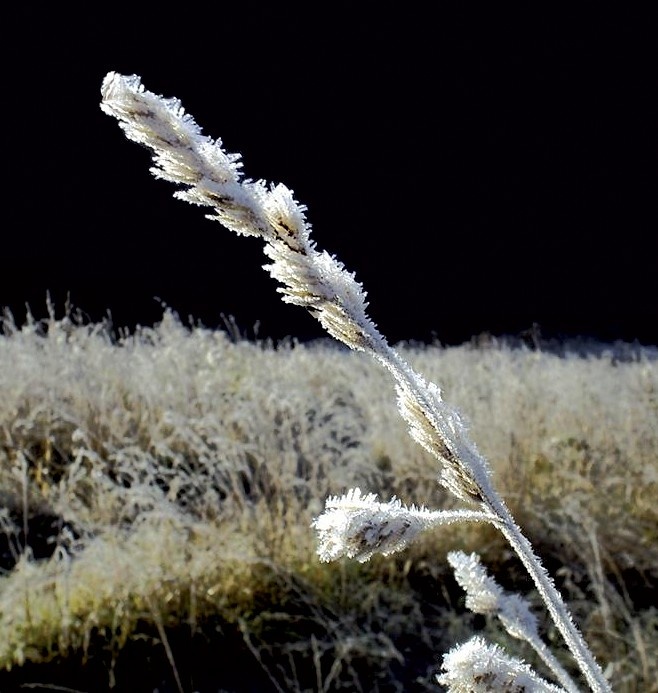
column 156, row 492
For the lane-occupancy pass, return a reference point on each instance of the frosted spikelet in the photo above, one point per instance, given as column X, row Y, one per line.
column 357, row 526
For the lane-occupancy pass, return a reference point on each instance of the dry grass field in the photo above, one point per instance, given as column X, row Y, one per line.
column 157, row 491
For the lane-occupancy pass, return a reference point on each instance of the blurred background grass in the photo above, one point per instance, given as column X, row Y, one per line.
column 156, row 492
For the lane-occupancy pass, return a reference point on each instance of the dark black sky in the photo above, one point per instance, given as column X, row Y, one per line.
column 480, row 168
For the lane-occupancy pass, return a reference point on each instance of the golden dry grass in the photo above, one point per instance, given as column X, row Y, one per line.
column 156, row 494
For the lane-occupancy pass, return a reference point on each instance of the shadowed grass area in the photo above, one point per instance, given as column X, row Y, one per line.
column 157, row 490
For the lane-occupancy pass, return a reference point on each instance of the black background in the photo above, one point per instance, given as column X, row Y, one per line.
column 480, row 167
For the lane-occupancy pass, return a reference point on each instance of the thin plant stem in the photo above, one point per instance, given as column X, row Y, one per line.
column 550, row 596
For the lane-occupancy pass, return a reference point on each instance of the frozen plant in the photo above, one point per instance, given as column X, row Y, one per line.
column 485, row 596
column 355, row 525
column 358, row 526
column 479, row 667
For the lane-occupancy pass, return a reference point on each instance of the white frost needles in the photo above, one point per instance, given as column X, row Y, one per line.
column 357, row 526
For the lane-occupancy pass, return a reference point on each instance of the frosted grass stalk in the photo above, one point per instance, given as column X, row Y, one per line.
column 317, row 281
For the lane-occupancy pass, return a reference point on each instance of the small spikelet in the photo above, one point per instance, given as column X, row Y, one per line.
column 478, row 667
column 288, row 218
column 485, row 596
column 358, row 526
column 426, row 431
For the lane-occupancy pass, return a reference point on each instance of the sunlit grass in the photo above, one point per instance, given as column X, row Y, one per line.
column 162, row 486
